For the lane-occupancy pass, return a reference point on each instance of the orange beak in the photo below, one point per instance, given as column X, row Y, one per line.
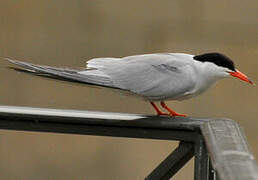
column 241, row 76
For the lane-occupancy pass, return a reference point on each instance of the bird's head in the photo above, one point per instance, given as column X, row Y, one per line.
column 221, row 65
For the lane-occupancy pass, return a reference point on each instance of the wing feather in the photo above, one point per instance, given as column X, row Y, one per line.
column 71, row 74
column 154, row 76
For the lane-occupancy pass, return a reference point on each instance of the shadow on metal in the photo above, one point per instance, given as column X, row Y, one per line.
column 221, row 139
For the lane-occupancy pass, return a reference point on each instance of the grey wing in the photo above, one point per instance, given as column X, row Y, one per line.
column 154, row 76
column 90, row 77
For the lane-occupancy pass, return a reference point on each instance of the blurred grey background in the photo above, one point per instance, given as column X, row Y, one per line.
column 68, row 33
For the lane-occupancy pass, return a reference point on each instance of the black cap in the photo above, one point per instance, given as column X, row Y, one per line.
column 216, row 58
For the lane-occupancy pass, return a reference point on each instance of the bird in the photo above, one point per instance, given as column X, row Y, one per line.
column 156, row 77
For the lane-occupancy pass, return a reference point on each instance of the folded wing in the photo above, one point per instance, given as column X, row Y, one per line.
column 92, row 77
column 154, row 76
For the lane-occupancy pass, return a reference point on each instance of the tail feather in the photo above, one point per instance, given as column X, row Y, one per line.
column 65, row 73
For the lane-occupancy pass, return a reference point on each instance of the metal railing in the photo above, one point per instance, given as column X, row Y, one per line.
column 218, row 140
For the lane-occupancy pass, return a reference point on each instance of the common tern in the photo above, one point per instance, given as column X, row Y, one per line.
column 155, row 77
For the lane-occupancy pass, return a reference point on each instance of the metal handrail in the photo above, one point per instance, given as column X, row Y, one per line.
column 200, row 137
column 229, row 151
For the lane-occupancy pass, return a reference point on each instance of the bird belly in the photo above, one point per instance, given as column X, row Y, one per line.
column 197, row 90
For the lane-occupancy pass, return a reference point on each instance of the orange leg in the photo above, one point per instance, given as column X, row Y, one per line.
column 171, row 112
column 159, row 112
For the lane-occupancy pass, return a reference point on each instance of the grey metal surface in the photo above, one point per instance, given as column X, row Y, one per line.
column 229, row 151
column 101, row 118
column 99, row 123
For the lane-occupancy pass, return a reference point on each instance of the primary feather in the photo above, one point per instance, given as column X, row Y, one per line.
column 67, row 73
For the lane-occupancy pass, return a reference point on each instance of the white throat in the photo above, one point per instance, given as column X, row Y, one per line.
column 207, row 74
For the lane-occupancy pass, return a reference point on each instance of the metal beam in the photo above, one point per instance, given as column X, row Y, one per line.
column 173, row 163
column 229, row 151
column 99, row 123
column 201, row 161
